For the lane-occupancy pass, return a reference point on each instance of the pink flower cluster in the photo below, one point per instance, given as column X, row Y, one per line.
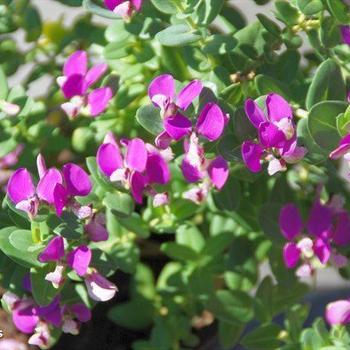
column 209, row 126
column 328, row 227
column 31, row 318
column 75, row 84
column 55, row 188
column 276, row 143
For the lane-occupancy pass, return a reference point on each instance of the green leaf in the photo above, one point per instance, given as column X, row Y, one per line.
column 177, row 35
column 70, row 226
column 117, row 50
column 165, row 6
column 339, row 10
column 120, row 203
column 207, row 11
column 329, row 32
column 266, row 85
column 229, row 334
column 262, row 338
column 218, row 44
column 228, row 198
column 327, row 84
column 215, row 245
column 343, row 122
column 268, row 219
column 322, row 123
column 43, row 291
column 26, row 259
column 269, row 25
column 179, row 251
column 136, row 314
column 190, row 236
column 233, row 307
column 32, row 23
column 310, row 7
column 310, row 340
column 4, row 89
column 149, row 118
column 21, row 239
column 286, row 12
column 90, row 6
column 126, row 256
column 134, row 223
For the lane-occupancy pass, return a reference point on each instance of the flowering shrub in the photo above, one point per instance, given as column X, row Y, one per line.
column 177, row 149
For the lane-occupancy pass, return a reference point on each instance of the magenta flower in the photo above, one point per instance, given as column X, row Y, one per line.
column 276, row 142
column 124, row 8
column 195, row 167
column 328, row 225
column 338, row 312
column 139, row 168
column 52, row 189
column 79, row 259
column 345, row 33
column 343, row 149
column 54, row 250
column 75, row 84
column 99, row 288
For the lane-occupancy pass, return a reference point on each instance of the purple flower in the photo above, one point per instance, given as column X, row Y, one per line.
column 338, row 313
column 345, row 33
column 54, row 250
column 343, row 149
column 162, row 93
column 141, row 166
column 124, row 8
column 24, row 316
column 75, row 84
column 276, row 142
column 79, row 259
column 99, row 288
column 195, row 167
column 96, row 228
column 328, row 224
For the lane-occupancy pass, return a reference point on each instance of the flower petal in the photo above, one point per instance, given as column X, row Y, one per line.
column 81, row 312
column 99, row 288
column 163, row 85
column 338, row 312
column 95, row 73
column 254, row 113
column 345, row 33
column 290, row 221
column 211, row 122
column 278, row 108
column 188, row 94
column 75, row 85
column 291, row 255
column 251, row 154
column 20, row 186
column 191, row 172
column 136, row 155
column 177, row 126
column 341, row 233
column 25, row 318
column 54, row 250
column 270, row 135
column 47, row 184
column 342, row 149
column 109, row 158
column 98, row 100
column 77, row 180
column 157, row 169
column 138, row 184
column 322, row 250
column 76, row 64
column 137, row 4
column 41, row 165
column 218, row 172
column 320, row 219
column 60, row 197
column 79, row 259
